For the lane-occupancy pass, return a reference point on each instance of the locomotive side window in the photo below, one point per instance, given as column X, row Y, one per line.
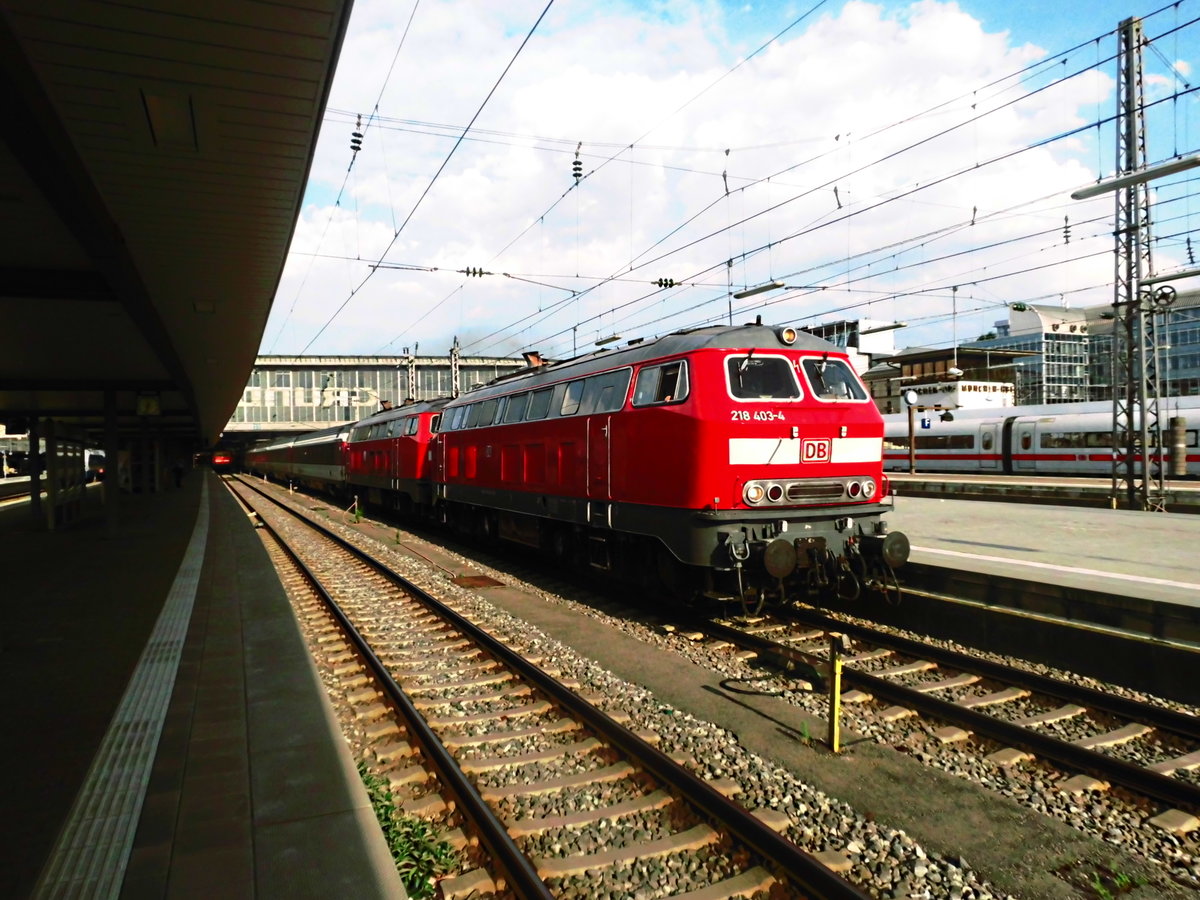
column 435, row 424
column 987, row 440
column 411, row 428
column 539, row 404
column 762, row 378
column 661, row 384
column 832, row 379
column 454, row 420
column 605, row 393
column 570, row 403
column 515, row 411
column 482, row 413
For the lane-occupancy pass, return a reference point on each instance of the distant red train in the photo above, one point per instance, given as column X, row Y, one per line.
column 736, row 462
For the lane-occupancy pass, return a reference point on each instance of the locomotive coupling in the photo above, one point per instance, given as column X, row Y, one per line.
column 893, row 548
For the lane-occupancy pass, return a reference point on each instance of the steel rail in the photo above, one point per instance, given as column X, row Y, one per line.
column 803, row 869
column 1141, row 780
column 1168, row 720
column 522, row 876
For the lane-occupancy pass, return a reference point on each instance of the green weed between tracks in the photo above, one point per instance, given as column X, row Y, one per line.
column 419, row 852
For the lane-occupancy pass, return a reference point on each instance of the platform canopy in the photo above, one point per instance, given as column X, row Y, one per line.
column 153, row 159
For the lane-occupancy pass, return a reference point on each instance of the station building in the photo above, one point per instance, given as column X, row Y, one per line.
column 288, row 394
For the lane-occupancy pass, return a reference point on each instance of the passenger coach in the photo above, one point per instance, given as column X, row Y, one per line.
column 1060, row 439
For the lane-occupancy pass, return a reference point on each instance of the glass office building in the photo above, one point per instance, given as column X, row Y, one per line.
column 1072, row 350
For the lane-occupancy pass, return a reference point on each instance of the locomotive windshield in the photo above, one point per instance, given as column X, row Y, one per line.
column 762, row 378
column 832, row 379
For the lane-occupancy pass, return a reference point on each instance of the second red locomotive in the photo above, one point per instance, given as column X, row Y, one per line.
column 736, row 462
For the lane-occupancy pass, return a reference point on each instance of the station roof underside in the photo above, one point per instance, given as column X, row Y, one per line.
column 153, row 160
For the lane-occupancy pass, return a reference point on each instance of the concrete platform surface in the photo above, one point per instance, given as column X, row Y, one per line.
column 166, row 734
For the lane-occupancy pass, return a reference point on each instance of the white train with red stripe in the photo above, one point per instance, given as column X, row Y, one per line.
column 1059, row 439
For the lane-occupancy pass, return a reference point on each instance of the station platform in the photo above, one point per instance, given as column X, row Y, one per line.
column 166, row 734
column 1149, row 556
column 1180, row 496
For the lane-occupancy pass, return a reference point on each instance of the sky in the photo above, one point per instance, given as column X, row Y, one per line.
column 903, row 162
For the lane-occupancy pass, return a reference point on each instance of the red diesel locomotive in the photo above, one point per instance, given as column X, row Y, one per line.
column 388, row 458
column 736, row 462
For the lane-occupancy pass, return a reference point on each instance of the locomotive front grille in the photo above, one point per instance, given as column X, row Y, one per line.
column 799, row 491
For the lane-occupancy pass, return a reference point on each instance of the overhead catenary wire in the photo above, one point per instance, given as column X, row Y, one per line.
column 674, row 253
column 653, row 128
column 831, row 181
column 433, row 181
column 805, row 232
column 349, row 168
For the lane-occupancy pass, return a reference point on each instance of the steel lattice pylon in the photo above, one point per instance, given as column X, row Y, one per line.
column 1137, row 469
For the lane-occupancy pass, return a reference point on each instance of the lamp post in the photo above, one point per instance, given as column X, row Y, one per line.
column 910, row 400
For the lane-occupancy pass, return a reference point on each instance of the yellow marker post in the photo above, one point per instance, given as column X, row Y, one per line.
column 837, row 645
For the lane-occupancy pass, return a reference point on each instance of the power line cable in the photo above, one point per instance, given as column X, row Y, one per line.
column 433, row 181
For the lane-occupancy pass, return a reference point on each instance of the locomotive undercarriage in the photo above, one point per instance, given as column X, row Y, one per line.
column 766, row 566
column 726, row 557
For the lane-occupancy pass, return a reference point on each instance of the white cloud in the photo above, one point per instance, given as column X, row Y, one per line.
column 808, row 108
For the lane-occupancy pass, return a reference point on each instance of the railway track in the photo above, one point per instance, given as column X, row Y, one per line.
column 562, row 798
column 1150, row 751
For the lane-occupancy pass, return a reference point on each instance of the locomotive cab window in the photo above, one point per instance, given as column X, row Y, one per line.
column 832, row 379
column 754, row 377
column 661, row 384
column 411, row 428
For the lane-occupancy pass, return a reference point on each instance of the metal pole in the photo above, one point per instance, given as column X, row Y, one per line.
column 912, row 440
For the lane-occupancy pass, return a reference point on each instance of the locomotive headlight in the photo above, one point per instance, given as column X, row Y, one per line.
column 775, row 492
column 869, row 488
column 788, row 335
column 754, row 493
column 854, row 488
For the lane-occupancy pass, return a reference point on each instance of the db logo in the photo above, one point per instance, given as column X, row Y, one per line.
column 814, row 451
